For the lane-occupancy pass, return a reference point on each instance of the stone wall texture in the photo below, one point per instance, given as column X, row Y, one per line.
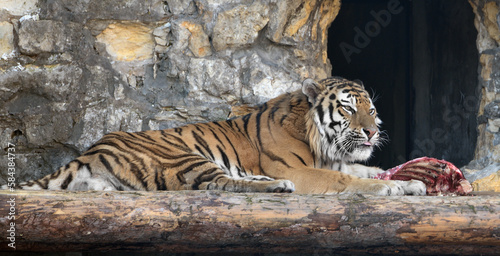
column 72, row 71
column 485, row 168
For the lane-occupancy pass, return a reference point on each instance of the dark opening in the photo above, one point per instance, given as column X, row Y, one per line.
column 420, row 60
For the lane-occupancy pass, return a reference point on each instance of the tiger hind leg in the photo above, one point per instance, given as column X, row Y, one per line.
column 75, row 176
column 84, row 180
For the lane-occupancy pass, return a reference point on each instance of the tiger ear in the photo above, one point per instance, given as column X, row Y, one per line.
column 311, row 89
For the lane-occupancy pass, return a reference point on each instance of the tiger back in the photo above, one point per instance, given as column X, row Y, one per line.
column 306, row 141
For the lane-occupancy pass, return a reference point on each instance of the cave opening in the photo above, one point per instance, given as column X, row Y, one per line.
column 419, row 60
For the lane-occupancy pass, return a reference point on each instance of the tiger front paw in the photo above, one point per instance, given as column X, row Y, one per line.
column 388, row 187
column 281, row 186
column 401, row 188
column 413, row 187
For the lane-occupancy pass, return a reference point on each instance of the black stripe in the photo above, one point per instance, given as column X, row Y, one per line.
column 107, row 142
column 300, row 158
column 220, row 125
column 353, row 90
column 133, row 135
column 139, row 175
column 263, row 107
column 207, row 175
column 180, row 174
column 217, row 138
column 257, row 124
column 177, row 163
column 234, row 150
column 104, row 141
column 246, row 119
column 180, row 147
column 97, row 143
column 217, row 179
column 135, row 170
column 144, row 145
column 204, row 144
column 105, row 163
column 225, row 159
column 200, row 151
column 241, row 172
column 299, row 102
column 160, row 179
column 66, row 182
column 80, row 163
column 343, row 130
column 177, row 130
column 329, row 138
column 273, row 111
column 43, row 183
column 276, row 107
column 283, row 119
column 330, row 111
column 320, row 111
column 58, row 172
column 197, row 126
column 261, row 170
column 269, row 122
column 293, row 104
column 274, row 157
column 177, row 139
column 105, row 152
column 225, row 184
column 146, row 136
column 238, row 127
column 333, row 124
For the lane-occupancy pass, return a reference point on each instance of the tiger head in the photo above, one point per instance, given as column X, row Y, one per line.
column 342, row 122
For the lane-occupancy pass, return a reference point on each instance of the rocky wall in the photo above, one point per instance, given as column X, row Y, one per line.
column 485, row 168
column 72, row 71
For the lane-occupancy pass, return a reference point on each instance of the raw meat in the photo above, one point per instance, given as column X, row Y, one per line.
column 440, row 177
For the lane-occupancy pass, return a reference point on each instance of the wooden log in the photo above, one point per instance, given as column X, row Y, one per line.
column 208, row 221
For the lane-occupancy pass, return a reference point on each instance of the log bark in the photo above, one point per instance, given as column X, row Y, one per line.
column 208, row 221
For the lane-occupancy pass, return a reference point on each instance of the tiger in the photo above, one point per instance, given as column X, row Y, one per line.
column 308, row 141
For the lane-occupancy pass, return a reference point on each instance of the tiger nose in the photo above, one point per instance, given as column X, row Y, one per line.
column 369, row 132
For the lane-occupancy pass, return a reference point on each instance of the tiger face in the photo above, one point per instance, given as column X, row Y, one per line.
column 343, row 122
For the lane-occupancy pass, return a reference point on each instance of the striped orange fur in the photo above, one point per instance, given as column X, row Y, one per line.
column 306, row 141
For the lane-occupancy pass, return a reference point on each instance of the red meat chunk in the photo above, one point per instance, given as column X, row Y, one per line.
column 440, row 177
